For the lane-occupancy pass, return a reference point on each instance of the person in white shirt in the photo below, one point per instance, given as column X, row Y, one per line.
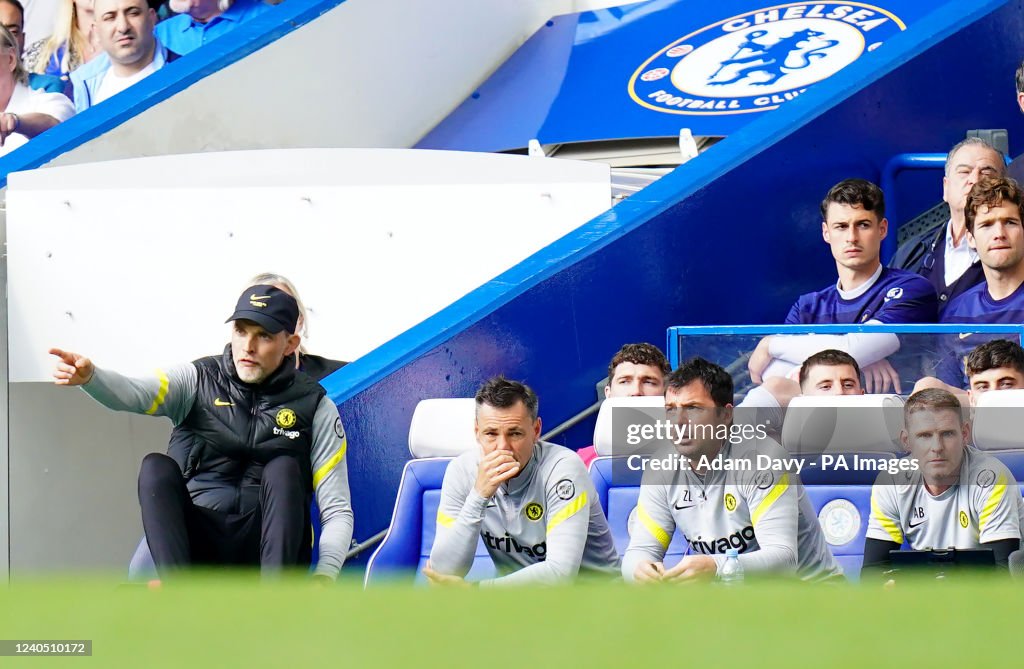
column 941, row 253
column 26, row 112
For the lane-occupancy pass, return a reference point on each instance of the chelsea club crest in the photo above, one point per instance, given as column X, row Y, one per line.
column 759, row 60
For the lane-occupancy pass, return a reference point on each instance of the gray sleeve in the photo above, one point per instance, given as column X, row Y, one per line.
column 330, row 484
column 652, row 532
column 568, row 523
column 884, row 523
column 459, row 516
column 775, row 516
column 169, row 392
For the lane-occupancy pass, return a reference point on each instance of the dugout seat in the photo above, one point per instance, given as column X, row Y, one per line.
column 441, row 429
column 618, row 487
column 998, row 424
column 865, row 427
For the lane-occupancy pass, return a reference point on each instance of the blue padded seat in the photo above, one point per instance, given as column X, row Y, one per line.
column 406, row 546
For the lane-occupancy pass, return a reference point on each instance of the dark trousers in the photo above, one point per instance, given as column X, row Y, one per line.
column 181, row 534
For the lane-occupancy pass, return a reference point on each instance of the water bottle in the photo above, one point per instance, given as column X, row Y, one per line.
column 732, row 570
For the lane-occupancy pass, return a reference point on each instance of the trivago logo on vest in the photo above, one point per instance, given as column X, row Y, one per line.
column 758, row 60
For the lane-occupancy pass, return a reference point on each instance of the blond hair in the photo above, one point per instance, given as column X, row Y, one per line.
column 66, row 33
column 285, row 284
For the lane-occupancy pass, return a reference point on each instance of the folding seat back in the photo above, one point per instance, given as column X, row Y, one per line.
column 618, row 486
column 846, row 441
column 441, row 429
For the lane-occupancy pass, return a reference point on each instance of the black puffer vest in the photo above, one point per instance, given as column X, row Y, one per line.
column 235, row 428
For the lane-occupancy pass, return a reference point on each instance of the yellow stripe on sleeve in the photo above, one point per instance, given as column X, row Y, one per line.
column 570, row 510
column 766, row 503
column 994, row 498
column 888, row 524
column 322, row 473
column 161, row 393
column 656, row 530
column 444, row 520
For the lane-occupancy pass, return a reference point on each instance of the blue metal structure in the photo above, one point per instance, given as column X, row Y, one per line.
column 731, row 237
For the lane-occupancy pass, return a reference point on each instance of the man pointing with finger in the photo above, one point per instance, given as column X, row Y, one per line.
column 262, row 440
column 532, row 502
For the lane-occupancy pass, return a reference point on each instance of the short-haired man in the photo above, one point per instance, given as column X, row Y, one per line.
column 830, row 372
column 993, row 219
column 532, row 502
column 199, row 22
column 994, row 228
column 941, row 253
column 264, row 439
column 957, row 497
column 994, row 365
column 12, row 16
column 636, row 370
column 130, row 52
column 853, row 225
column 762, row 512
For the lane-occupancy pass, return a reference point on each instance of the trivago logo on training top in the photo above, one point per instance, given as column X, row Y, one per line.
column 759, row 60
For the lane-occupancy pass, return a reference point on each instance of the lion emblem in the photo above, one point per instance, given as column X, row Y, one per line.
column 789, row 54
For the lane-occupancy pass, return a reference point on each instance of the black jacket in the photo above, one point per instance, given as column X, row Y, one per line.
column 924, row 253
column 235, row 428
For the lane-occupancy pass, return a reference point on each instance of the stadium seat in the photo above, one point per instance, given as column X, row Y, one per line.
column 618, row 492
column 842, row 498
column 999, row 421
column 998, row 424
column 618, row 495
column 843, row 424
column 441, row 429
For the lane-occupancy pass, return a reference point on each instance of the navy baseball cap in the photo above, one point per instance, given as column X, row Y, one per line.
column 270, row 307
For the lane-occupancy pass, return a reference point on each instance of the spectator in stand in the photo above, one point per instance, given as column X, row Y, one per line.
column 72, row 44
column 830, row 372
column 995, row 365
column 636, row 370
column 941, row 253
column 201, row 21
column 26, row 112
column 994, row 229
column 853, row 225
column 12, row 16
column 131, row 52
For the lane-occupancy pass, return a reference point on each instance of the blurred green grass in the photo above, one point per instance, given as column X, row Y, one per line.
column 230, row 621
